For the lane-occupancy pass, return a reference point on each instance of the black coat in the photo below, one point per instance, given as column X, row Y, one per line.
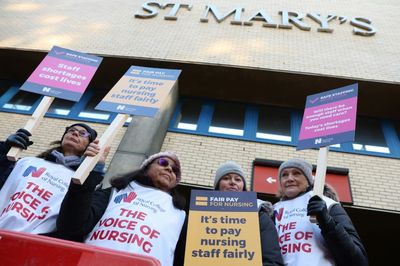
column 6, row 166
column 270, row 249
column 343, row 240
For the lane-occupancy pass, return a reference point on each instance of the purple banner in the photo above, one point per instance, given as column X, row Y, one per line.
column 329, row 118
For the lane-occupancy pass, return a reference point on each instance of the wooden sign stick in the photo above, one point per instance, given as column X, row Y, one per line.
column 319, row 180
column 32, row 124
column 89, row 162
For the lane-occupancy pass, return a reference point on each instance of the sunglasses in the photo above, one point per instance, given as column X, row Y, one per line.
column 81, row 133
column 165, row 163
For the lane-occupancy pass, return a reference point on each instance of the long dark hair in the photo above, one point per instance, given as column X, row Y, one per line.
column 140, row 175
column 46, row 153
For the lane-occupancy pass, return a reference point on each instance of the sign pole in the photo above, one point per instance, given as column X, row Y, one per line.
column 89, row 163
column 319, row 180
column 32, row 124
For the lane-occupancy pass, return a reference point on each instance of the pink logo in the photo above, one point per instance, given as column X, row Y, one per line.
column 125, row 197
column 314, row 101
column 34, row 171
column 278, row 214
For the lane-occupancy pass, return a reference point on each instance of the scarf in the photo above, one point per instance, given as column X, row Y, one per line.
column 72, row 161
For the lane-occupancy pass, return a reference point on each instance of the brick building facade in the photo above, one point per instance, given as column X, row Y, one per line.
column 227, row 54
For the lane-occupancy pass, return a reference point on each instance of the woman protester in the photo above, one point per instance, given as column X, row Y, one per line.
column 140, row 213
column 230, row 177
column 332, row 241
column 33, row 188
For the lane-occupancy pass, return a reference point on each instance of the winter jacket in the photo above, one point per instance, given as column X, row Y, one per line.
column 6, row 166
column 270, row 249
column 343, row 241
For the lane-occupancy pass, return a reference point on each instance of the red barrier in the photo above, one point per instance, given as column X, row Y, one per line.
column 28, row 249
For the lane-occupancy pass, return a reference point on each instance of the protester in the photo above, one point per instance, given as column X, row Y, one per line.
column 141, row 212
column 33, row 188
column 230, row 177
column 332, row 241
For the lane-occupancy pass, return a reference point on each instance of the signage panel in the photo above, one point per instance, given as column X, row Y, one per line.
column 63, row 74
column 329, row 118
column 141, row 91
column 223, row 229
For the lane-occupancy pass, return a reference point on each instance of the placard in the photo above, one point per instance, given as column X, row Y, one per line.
column 141, row 91
column 63, row 74
column 329, row 118
column 223, row 229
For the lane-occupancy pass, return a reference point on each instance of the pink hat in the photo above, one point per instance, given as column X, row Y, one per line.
column 168, row 154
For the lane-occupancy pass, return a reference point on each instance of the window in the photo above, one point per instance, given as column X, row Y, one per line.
column 397, row 127
column 271, row 124
column 274, row 123
column 22, row 101
column 228, row 118
column 369, row 136
column 60, row 107
column 189, row 115
column 90, row 111
column 12, row 99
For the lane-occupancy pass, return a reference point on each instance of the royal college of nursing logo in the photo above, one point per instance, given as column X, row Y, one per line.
column 278, row 214
column 126, row 197
column 34, row 171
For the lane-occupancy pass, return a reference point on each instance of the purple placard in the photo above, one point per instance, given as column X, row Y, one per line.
column 329, row 118
column 63, row 74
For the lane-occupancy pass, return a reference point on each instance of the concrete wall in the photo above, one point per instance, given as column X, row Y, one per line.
column 90, row 26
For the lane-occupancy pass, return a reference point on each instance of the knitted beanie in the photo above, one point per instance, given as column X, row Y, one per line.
column 300, row 164
column 168, row 154
column 92, row 132
column 229, row 167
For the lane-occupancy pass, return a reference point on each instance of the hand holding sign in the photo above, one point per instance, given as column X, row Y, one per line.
column 31, row 125
column 89, row 163
column 329, row 118
column 62, row 74
column 20, row 139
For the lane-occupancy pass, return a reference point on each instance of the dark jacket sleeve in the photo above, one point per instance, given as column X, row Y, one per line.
column 82, row 208
column 179, row 256
column 271, row 251
column 343, row 240
column 6, row 166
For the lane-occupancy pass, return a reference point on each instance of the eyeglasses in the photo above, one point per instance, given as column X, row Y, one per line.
column 81, row 133
column 164, row 163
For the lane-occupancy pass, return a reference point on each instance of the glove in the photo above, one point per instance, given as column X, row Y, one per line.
column 20, row 139
column 317, row 206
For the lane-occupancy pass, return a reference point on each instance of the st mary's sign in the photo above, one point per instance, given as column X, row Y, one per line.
column 283, row 19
